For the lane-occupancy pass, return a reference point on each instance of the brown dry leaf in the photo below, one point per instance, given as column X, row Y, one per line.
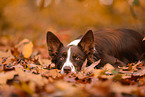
column 99, row 89
column 43, row 3
column 142, row 81
column 69, row 90
column 27, row 50
column 8, row 68
column 125, row 76
column 4, row 76
column 54, row 73
column 97, row 72
column 15, row 52
column 107, row 76
column 24, row 87
column 87, row 70
column 91, row 67
column 7, row 60
column 44, row 62
column 108, row 68
column 118, row 88
column 142, row 91
column 50, row 88
column 134, row 67
column 40, row 70
column 25, row 76
column 140, row 72
column 6, row 54
column 21, row 43
column 32, row 86
column 84, row 64
column 8, row 91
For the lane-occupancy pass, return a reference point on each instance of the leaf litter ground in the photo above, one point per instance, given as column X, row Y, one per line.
column 24, row 72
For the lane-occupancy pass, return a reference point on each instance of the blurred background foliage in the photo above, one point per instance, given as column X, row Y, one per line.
column 68, row 19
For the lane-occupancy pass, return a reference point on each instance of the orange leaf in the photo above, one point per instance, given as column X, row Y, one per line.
column 27, row 50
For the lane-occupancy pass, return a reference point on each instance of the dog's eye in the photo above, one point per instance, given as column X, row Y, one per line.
column 61, row 58
column 77, row 58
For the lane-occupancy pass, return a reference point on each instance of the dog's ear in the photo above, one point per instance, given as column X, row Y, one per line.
column 87, row 43
column 53, row 44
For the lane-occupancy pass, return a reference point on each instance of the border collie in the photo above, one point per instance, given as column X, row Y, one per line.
column 115, row 46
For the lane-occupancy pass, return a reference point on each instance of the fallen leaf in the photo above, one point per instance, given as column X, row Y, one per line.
column 69, row 90
column 50, row 88
column 4, row 76
column 54, row 73
column 139, row 72
column 84, row 65
column 91, row 67
column 24, row 87
column 6, row 54
column 24, row 41
column 25, row 76
column 108, row 68
column 97, row 72
column 99, row 89
column 27, row 50
column 118, row 88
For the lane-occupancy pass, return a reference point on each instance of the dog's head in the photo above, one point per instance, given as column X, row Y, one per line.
column 71, row 57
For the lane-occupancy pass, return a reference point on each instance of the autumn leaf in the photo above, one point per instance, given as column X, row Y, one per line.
column 91, row 67
column 69, row 90
column 43, row 3
column 99, row 88
column 24, row 87
column 118, row 88
column 35, row 76
column 54, row 73
column 108, row 68
column 4, row 76
column 6, row 54
column 24, row 41
column 140, row 72
column 25, row 76
column 27, row 50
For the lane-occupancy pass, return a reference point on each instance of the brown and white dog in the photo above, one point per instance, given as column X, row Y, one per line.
column 114, row 46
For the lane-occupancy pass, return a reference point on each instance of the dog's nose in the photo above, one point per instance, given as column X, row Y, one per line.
column 67, row 69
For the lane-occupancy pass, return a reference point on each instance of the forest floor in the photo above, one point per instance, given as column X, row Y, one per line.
column 25, row 70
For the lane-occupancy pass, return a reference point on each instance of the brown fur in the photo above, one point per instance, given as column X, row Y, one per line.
column 118, row 46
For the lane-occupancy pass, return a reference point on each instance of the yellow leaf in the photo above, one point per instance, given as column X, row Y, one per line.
column 27, row 50
column 26, row 88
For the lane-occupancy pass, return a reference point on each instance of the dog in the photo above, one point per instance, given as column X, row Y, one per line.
column 115, row 46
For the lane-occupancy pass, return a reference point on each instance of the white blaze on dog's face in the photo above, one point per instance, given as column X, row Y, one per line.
column 70, row 58
column 68, row 65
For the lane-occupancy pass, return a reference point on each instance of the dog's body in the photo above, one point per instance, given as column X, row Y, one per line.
column 114, row 46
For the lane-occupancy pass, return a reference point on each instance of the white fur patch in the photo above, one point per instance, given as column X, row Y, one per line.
column 68, row 62
column 75, row 42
